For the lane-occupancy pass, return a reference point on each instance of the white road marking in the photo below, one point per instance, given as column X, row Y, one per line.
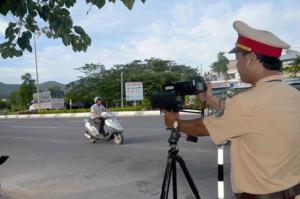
column 35, row 127
column 8, row 121
column 40, row 139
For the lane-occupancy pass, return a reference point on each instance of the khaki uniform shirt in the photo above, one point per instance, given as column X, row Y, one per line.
column 264, row 124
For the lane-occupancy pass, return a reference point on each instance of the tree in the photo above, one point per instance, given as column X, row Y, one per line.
column 4, row 105
column 207, row 76
column 54, row 88
column 220, row 66
column 27, row 88
column 13, row 98
column 293, row 68
column 55, row 13
column 99, row 81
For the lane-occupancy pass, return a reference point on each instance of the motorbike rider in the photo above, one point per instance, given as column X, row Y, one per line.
column 97, row 119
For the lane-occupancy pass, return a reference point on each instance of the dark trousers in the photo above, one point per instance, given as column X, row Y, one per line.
column 99, row 124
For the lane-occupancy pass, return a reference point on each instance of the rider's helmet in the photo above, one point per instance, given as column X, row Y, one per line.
column 97, row 98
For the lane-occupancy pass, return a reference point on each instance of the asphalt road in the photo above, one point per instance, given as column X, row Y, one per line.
column 51, row 158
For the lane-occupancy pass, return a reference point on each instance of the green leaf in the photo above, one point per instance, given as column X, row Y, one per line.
column 65, row 11
column 12, row 37
column 114, row 1
column 65, row 39
column 5, row 8
column 29, row 48
column 79, row 30
column 10, row 53
column 100, row 3
column 22, row 43
column 48, row 34
column 143, row 1
column 5, row 44
column 12, row 25
column 128, row 3
column 4, row 54
column 8, row 32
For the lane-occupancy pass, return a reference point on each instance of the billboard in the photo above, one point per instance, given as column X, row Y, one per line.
column 294, row 80
column 220, row 85
column 241, row 85
column 134, row 91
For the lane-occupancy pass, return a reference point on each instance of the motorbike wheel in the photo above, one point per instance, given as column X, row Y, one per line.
column 118, row 138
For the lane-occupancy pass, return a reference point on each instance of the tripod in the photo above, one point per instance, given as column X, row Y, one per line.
column 173, row 157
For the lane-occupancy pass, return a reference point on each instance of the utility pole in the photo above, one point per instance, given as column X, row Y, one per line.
column 201, row 70
column 37, row 76
column 117, row 93
column 121, row 89
column 170, row 65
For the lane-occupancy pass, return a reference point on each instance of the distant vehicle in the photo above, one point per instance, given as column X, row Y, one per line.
column 114, row 130
column 49, row 100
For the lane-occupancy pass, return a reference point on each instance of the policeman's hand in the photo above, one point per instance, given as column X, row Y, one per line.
column 170, row 118
column 206, row 95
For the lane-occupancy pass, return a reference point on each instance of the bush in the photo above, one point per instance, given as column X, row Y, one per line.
column 126, row 109
column 27, row 112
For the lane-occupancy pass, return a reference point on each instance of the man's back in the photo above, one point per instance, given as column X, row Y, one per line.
column 268, row 153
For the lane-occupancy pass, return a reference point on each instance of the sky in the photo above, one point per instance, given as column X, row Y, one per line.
column 189, row 32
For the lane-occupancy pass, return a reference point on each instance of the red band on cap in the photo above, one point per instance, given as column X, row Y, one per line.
column 259, row 47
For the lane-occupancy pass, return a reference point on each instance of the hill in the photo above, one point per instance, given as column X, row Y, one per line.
column 44, row 86
column 6, row 89
column 3, row 96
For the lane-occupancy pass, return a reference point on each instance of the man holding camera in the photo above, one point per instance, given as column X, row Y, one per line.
column 263, row 122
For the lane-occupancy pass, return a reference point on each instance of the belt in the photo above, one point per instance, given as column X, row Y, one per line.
column 290, row 193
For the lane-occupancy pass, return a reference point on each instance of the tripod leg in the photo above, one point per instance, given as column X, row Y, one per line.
column 174, row 179
column 167, row 178
column 188, row 176
column 164, row 183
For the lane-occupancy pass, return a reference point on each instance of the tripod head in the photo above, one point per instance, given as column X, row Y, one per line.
column 174, row 137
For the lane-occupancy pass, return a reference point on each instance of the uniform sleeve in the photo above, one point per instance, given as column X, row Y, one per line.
column 103, row 108
column 229, row 125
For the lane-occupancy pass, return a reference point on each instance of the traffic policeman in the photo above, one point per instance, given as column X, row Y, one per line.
column 263, row 122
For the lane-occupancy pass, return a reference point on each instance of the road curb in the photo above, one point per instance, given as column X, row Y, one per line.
column 64, row 115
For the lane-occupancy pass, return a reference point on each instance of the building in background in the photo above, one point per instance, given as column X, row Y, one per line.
column 220, row 86
column 288, row 56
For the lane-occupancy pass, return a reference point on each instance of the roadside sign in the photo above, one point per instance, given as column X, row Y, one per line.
column 241, row 85
column 220, row 85
column 134, row 91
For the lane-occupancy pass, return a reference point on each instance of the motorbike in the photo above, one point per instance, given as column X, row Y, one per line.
column 114, row 130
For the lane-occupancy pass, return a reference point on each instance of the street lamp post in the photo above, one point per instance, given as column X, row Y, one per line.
column 37, row 76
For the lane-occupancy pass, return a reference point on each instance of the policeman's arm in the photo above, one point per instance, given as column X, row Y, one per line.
column 193, row 127
column 210, row 99
column 216, row 103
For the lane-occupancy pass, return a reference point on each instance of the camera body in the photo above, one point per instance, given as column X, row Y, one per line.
column 171, row 98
